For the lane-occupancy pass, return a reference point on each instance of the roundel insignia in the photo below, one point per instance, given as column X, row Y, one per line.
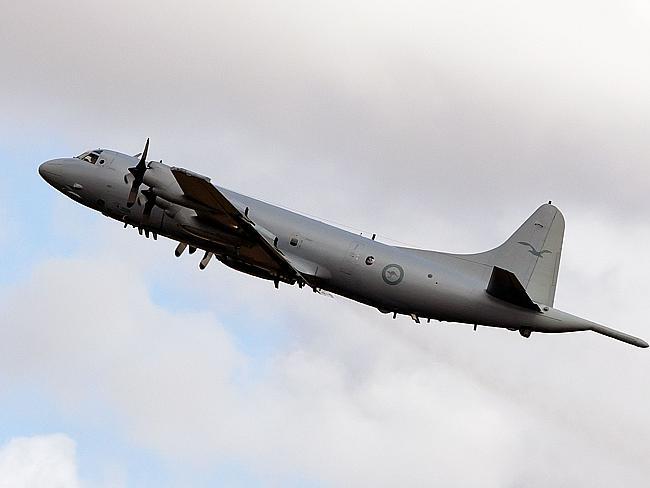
column 393, row 274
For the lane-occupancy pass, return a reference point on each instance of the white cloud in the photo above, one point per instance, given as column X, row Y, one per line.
column 351, row 398
column 46, row 461
column 184, row 389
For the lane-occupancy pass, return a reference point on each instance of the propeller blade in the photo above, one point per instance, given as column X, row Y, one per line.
column 138, row 172
column 148, row 206
column 141, row 167
column 133, row 193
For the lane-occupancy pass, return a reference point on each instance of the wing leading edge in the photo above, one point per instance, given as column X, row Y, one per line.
column 262, row 247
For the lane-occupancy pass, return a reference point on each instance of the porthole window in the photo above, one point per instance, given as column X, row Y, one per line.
column 294, row 241
column 370, row 260
column 429, row 275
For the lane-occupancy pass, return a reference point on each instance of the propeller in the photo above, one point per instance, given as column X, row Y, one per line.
column 138, row 176
column 149, row 204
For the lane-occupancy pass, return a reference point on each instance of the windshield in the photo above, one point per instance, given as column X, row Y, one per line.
column 90, row 156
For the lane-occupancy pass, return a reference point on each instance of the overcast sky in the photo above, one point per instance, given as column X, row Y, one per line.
column 438, row 124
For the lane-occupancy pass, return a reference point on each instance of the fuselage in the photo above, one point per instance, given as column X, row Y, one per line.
column 420, row 284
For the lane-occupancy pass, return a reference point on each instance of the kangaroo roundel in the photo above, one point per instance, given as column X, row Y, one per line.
column 393, row 274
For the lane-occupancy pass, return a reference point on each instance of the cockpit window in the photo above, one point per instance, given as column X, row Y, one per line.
column 90, row 156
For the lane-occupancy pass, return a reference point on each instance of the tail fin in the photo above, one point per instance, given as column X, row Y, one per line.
column 532, row 253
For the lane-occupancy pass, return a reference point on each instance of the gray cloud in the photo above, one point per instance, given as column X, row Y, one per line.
column 537, row 104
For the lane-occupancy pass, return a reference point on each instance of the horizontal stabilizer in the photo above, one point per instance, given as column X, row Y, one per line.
column 621, row 336
column 505, row 286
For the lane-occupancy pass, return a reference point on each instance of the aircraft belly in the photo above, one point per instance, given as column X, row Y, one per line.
column 430, row 290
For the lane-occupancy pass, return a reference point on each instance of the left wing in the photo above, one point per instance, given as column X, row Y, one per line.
column 262, row 247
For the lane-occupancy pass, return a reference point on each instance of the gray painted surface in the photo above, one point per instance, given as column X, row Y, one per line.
column 282, row 246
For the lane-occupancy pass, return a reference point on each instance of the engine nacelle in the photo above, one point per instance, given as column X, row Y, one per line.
column 160, row 179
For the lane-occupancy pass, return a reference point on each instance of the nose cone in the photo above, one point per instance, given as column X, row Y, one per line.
column 51, row 171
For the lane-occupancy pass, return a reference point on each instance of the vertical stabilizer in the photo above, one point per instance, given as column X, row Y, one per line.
column 532, row 253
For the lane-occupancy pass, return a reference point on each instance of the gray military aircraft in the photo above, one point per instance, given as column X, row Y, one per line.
column 511, row 286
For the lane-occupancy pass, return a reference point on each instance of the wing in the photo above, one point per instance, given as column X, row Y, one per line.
column 260, row 245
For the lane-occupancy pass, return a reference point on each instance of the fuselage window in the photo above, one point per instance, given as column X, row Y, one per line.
column 294, row 241
column 370, row 260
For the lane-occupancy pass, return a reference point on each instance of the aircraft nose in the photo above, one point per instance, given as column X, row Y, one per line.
column 51, row 170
